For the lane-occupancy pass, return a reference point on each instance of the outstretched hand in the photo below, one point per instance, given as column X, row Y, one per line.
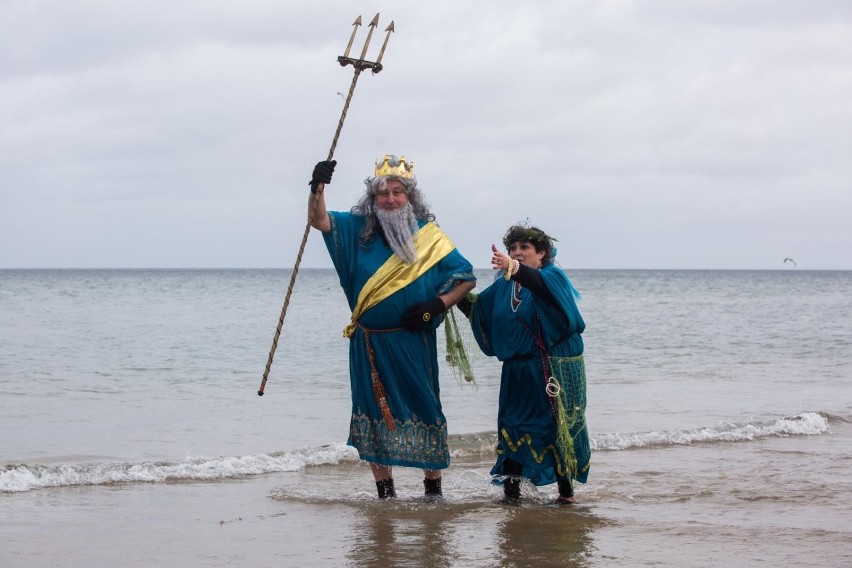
column 498, row 260
column 322, row 174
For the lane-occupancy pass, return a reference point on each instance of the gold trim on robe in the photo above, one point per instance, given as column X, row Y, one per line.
column 431, row 243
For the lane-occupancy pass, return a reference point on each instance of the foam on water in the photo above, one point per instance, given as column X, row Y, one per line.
column 805, row 424
column 23, row 477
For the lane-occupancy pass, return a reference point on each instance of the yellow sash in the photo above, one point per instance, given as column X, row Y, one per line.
column 431, row 244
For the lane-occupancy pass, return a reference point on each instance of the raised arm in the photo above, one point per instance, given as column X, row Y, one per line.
column 320, row 178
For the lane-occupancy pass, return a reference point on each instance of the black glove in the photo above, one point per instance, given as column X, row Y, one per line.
column 322, row 174
column 420, row 315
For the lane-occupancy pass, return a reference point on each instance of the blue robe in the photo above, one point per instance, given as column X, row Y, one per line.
column 406, row 361
column 526, row 430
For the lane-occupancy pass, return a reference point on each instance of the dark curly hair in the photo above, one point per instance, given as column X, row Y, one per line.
column 536, row 237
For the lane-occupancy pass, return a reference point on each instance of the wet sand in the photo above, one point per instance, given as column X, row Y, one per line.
column 257, row 522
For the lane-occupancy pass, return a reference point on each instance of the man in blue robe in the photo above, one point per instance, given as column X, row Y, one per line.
column 400, row 273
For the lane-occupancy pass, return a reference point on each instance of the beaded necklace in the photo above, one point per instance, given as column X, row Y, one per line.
column 515, row 300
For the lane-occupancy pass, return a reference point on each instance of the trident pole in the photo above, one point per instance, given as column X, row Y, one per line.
column 360, row 64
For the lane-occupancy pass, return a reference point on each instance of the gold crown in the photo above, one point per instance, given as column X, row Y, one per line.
column 403, row 170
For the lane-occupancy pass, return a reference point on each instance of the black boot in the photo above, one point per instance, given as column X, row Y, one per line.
column 433, row 487
column 512, row 489
column 566, row 492
column 512, row 483
column 385, row 488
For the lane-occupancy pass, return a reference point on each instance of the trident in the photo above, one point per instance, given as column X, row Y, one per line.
column 359, row 64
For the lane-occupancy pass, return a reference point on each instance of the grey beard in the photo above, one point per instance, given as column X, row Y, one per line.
column 399, row 226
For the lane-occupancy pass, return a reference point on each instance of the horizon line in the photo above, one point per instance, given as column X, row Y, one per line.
column 780, row 269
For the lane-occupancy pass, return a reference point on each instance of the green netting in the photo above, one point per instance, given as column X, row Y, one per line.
column 460, row 342
column 569, row 376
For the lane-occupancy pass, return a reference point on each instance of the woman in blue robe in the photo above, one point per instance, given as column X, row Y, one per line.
column 528, row 319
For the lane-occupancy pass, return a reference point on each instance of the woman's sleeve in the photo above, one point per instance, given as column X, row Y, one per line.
column 531, row 279
column 565, row 304
column 481, row 320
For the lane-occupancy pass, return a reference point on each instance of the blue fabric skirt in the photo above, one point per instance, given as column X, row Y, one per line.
column 526, row 428
column 407, row 364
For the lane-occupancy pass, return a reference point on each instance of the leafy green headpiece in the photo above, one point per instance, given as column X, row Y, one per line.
column 535, row 236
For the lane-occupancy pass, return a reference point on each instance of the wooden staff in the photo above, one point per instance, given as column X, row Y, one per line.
column 359, row 64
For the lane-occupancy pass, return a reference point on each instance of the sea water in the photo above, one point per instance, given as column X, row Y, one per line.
column 700, row 383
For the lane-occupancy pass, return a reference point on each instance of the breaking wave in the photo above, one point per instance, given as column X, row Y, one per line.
column 24, row 477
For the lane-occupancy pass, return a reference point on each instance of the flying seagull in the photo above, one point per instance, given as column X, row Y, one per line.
column 791, row 260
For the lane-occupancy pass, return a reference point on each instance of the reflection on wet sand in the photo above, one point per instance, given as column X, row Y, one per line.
column 420, row 533
column 546, row 536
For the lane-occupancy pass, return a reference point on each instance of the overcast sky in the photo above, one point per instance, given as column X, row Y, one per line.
column 658, row 134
